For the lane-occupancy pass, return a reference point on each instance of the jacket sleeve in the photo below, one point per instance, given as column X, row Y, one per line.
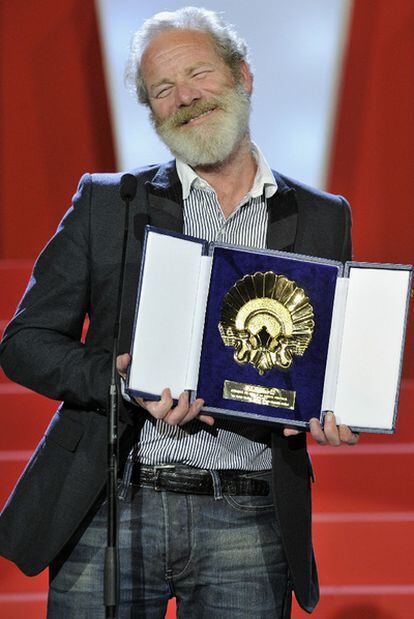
column 41, row 347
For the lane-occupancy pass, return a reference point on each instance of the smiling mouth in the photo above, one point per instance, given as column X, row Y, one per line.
column 196, row 118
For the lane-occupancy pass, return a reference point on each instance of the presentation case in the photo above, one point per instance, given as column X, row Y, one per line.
column 268, row 336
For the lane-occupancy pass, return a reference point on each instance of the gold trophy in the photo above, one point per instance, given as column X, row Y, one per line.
column 268, row 319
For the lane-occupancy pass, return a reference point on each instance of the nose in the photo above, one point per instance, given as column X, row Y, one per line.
column 185, row 95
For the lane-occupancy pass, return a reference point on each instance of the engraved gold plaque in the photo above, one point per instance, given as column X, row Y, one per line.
column 268, row 319
column 257, row 394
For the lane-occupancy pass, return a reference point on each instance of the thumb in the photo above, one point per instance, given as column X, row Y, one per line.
column 122, row 363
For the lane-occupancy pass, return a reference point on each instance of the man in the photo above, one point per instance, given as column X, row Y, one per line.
column 237, row 547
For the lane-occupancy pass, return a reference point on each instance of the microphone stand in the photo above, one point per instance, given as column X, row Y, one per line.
column 111, row 567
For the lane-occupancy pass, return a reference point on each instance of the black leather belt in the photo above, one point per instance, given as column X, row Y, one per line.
column 190, row 480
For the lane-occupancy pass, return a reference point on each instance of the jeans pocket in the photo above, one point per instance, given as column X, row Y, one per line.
column 250, row 503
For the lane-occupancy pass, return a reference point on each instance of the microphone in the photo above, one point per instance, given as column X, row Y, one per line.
column 127, row 191
column 128, row 187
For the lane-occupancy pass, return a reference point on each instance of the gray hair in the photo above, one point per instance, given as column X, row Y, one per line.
column 229, row 45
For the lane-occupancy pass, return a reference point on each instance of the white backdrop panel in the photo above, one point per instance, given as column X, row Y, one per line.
column 296, row 52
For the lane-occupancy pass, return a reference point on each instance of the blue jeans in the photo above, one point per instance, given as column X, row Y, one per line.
column 221, row 558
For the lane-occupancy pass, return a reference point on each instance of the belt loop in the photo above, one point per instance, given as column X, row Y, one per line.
column 126, row 477
column 216, row 485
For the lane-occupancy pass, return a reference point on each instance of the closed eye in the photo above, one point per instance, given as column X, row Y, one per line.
column 163, row 92
column 201, row 72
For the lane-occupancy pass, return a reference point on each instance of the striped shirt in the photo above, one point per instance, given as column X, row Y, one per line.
column 223, row 445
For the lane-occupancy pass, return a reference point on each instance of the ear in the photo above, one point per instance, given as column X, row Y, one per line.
column 246, row 76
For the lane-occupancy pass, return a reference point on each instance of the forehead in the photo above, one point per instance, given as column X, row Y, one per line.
column 172, row 49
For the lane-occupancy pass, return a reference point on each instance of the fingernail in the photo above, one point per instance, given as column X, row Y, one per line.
column 166, row 395
column 329, row 416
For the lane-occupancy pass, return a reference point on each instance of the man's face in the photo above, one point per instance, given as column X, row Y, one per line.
column 197, row 108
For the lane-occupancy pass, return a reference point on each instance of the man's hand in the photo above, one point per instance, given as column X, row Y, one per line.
column 163, row 409
column 331, row 434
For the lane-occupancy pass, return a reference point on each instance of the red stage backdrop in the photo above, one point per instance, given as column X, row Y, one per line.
column 57, row 122
column 57, row 126
column 372, row 160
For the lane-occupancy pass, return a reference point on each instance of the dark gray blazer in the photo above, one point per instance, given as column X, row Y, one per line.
column 77, row 275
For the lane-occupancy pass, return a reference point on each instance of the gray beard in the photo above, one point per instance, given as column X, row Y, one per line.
column 214, row 140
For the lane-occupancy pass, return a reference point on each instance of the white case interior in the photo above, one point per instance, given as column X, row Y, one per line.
column 363, row 367
column 335, row 344
column 174, row 288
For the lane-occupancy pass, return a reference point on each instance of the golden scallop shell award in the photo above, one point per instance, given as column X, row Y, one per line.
column 268, row 320
column 269, row 336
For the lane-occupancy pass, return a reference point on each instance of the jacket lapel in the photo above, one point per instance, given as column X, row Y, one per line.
column 165, row 199
column 282, row 217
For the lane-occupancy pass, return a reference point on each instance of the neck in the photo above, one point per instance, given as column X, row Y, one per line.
column 232, row 178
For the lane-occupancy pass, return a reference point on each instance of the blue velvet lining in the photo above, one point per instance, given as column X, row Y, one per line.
column 306, row 374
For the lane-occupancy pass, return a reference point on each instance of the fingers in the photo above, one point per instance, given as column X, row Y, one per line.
column 328, row 435
column 207, row 419
column 175, row 415
column 183, row 412
column 331, row 431
column 290, row 432
column 122, row 363
column 163, row 409
column 347, row 436
column 160, row 408
column 331, row 434
column 317, row 432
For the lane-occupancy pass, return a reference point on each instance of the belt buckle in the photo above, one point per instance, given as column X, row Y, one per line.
column 158, row 468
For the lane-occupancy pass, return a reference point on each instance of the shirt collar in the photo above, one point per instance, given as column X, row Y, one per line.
column 263, row 181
